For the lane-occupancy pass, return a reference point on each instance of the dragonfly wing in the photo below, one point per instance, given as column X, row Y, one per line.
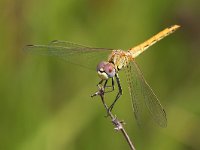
column 143, row 97
column 71, row 52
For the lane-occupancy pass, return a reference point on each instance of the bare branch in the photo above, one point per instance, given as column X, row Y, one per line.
column 118, row 124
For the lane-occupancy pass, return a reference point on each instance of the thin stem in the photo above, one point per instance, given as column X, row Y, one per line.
column 118, row 124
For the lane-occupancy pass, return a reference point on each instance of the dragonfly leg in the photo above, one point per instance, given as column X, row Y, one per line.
column 101, row 88
column 100, row 82
column 100, row 92
column 118, row 94
column 112, row 86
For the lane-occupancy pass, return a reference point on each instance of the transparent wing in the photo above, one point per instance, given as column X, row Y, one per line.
column 143, row 97
column 71, row 52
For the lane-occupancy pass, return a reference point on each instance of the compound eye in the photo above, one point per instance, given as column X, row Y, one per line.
column 101, row 65
column 106, row 70
column 110, row 70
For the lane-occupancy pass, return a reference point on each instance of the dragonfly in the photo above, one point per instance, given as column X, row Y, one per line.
column 117, row 60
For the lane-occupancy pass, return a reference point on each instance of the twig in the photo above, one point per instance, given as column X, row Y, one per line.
column 118, row 124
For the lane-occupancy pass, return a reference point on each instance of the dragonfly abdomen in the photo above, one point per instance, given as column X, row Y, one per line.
column 137, row 50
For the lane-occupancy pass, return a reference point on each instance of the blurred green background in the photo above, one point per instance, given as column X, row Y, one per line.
column 45, row 103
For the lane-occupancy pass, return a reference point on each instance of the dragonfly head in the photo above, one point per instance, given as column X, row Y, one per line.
column 106, row 70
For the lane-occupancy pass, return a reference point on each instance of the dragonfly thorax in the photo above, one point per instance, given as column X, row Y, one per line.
column 120, row 58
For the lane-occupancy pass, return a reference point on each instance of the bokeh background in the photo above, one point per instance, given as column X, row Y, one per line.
column 45, row 103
